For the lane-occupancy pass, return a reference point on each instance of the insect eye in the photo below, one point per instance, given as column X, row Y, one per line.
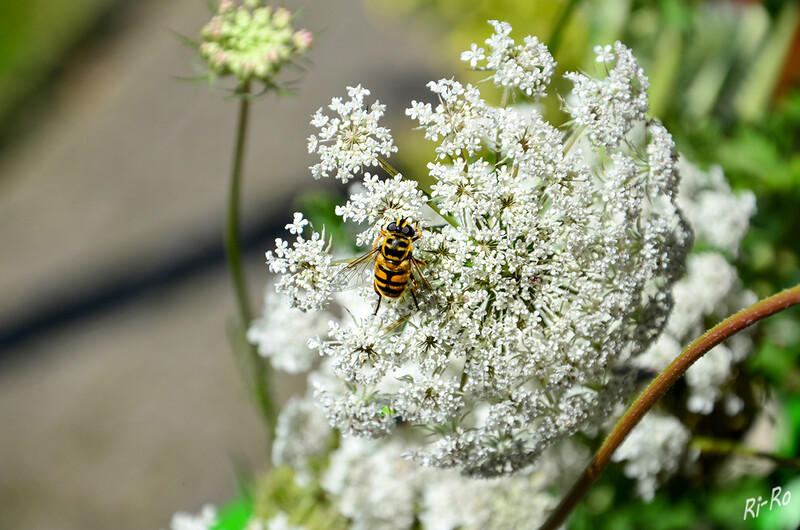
column 392, row 227
column 407, row 230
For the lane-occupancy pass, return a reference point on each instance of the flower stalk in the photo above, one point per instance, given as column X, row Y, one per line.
column 728, row 447
column 258, row 366
column 232, row 236
column 659, row 386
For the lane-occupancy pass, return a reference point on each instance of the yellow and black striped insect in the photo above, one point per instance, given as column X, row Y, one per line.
column 393, row 263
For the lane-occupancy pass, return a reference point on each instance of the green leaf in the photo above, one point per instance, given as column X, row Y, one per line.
column 235, row 514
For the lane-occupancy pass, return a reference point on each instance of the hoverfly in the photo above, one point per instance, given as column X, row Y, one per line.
column 392, row 262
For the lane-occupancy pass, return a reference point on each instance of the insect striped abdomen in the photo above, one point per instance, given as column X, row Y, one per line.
column 393, row 267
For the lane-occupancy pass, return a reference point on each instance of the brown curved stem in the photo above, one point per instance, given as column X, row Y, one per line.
column 728, row 327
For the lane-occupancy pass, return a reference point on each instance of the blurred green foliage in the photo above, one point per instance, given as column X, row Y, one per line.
column 307, row 505
column 671, row 509
column 319, row 208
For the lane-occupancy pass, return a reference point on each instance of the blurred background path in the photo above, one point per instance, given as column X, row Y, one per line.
column 120, row 401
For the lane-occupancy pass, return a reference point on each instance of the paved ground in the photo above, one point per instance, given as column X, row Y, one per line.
column 125, row 415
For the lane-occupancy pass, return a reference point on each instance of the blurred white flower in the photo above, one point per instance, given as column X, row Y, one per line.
column 302, row 433
column 204, row 520
column 375, row 488
column 370, row 485
column 653, row 450
column 605, row 53
column 281, row 522
column 710, row 290
column 277, row 334
column 720, row 217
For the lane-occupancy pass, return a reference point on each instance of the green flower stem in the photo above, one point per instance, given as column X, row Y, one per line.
column 728, row 447
column 503, row 104
column 393, row 172
column 387, row 167
column 260, row 371
column 449, row 218
column 725, row 329
column 232, row 244
column 505, row 98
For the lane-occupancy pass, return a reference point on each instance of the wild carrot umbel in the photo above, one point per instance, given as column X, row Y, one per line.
column 552, row 258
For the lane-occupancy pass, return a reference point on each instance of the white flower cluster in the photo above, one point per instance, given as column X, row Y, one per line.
column 527, row 67
column 608, row 107
column 720, row 217
column 352, row 140
column 381, row 199
column 456, row 119
column 551, row 263
column 376, row 489
column 306, row 268
column 710, row 291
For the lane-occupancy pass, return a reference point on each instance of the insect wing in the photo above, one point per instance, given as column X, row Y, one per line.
column 419, row 278
column 422, row 286
column 356, row 272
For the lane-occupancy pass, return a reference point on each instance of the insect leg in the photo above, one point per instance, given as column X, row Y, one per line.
column 413, row 296
column 417, row 230
column 380, row 297
column 380, row 237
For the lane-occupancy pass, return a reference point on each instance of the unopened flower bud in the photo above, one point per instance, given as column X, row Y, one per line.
column 303, row 40
column 225, row 6
column 251, row 41
column 281, row 18
column 242, row 17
